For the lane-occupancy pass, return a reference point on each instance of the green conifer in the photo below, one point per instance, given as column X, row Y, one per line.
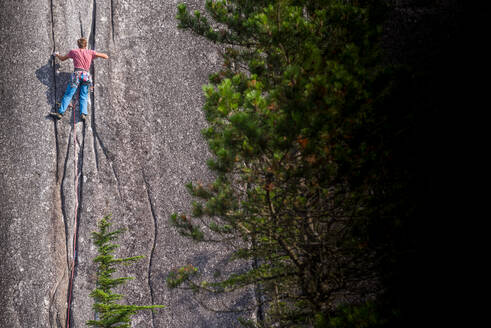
column 305, row 137
column 109, row 312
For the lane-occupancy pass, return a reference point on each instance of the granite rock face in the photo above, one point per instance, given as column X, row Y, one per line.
column 131, row 158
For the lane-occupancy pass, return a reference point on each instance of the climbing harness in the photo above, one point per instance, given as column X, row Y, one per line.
column 80, row 76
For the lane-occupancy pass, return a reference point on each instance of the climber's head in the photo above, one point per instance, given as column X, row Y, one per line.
column 82, row 43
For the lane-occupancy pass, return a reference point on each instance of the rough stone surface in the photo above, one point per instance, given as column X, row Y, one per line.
column 131, row 158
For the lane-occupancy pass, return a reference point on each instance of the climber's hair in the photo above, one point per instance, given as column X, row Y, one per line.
column 82, row 43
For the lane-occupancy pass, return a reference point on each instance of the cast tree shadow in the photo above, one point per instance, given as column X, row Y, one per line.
column 216, row 310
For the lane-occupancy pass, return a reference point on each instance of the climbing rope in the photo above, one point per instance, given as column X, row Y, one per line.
column 75, row 216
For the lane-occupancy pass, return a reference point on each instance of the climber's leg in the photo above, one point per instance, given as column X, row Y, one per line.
column 70, row 91
column 84, row 92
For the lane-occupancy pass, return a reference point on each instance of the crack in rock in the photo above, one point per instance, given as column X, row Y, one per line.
column 112, row 20
column 56, row 304
column 154, row 242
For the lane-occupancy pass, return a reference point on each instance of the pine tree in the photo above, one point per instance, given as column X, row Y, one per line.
column 303, row 136
column 110, row 313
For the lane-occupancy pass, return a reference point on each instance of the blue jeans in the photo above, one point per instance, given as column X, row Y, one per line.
column 76, row 79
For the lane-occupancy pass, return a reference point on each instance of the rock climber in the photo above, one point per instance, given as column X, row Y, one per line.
column 82, row 59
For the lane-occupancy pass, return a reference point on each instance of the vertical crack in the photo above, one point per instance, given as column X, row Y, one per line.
column 62, row 197
column 92, row 93
column 81, row 167
column 97, row 138
column 79, row 188
column 93, row 125
column 55, row 306
column 96, row 153
column 52, row 301
column 92, row 71
column 112, row 19
column 108, row 157
column 81, row 24
column 92, row 32
column 154, row 216
column 117, row 180
column 78, row 198
column 54, row 49
column 57, row 143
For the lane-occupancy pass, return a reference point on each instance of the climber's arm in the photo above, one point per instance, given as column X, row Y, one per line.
column 62, row 58
column 101, row 55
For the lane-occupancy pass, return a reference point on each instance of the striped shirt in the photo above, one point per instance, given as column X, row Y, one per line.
column 82, row 58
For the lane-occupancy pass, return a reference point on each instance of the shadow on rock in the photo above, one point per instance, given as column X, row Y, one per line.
column 56, row 82
column 226, row 307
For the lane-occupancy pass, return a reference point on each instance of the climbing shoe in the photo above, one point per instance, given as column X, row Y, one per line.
column 56, row 115
column 82, row 117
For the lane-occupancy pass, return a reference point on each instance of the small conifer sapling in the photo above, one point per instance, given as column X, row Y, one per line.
column 109, row 312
